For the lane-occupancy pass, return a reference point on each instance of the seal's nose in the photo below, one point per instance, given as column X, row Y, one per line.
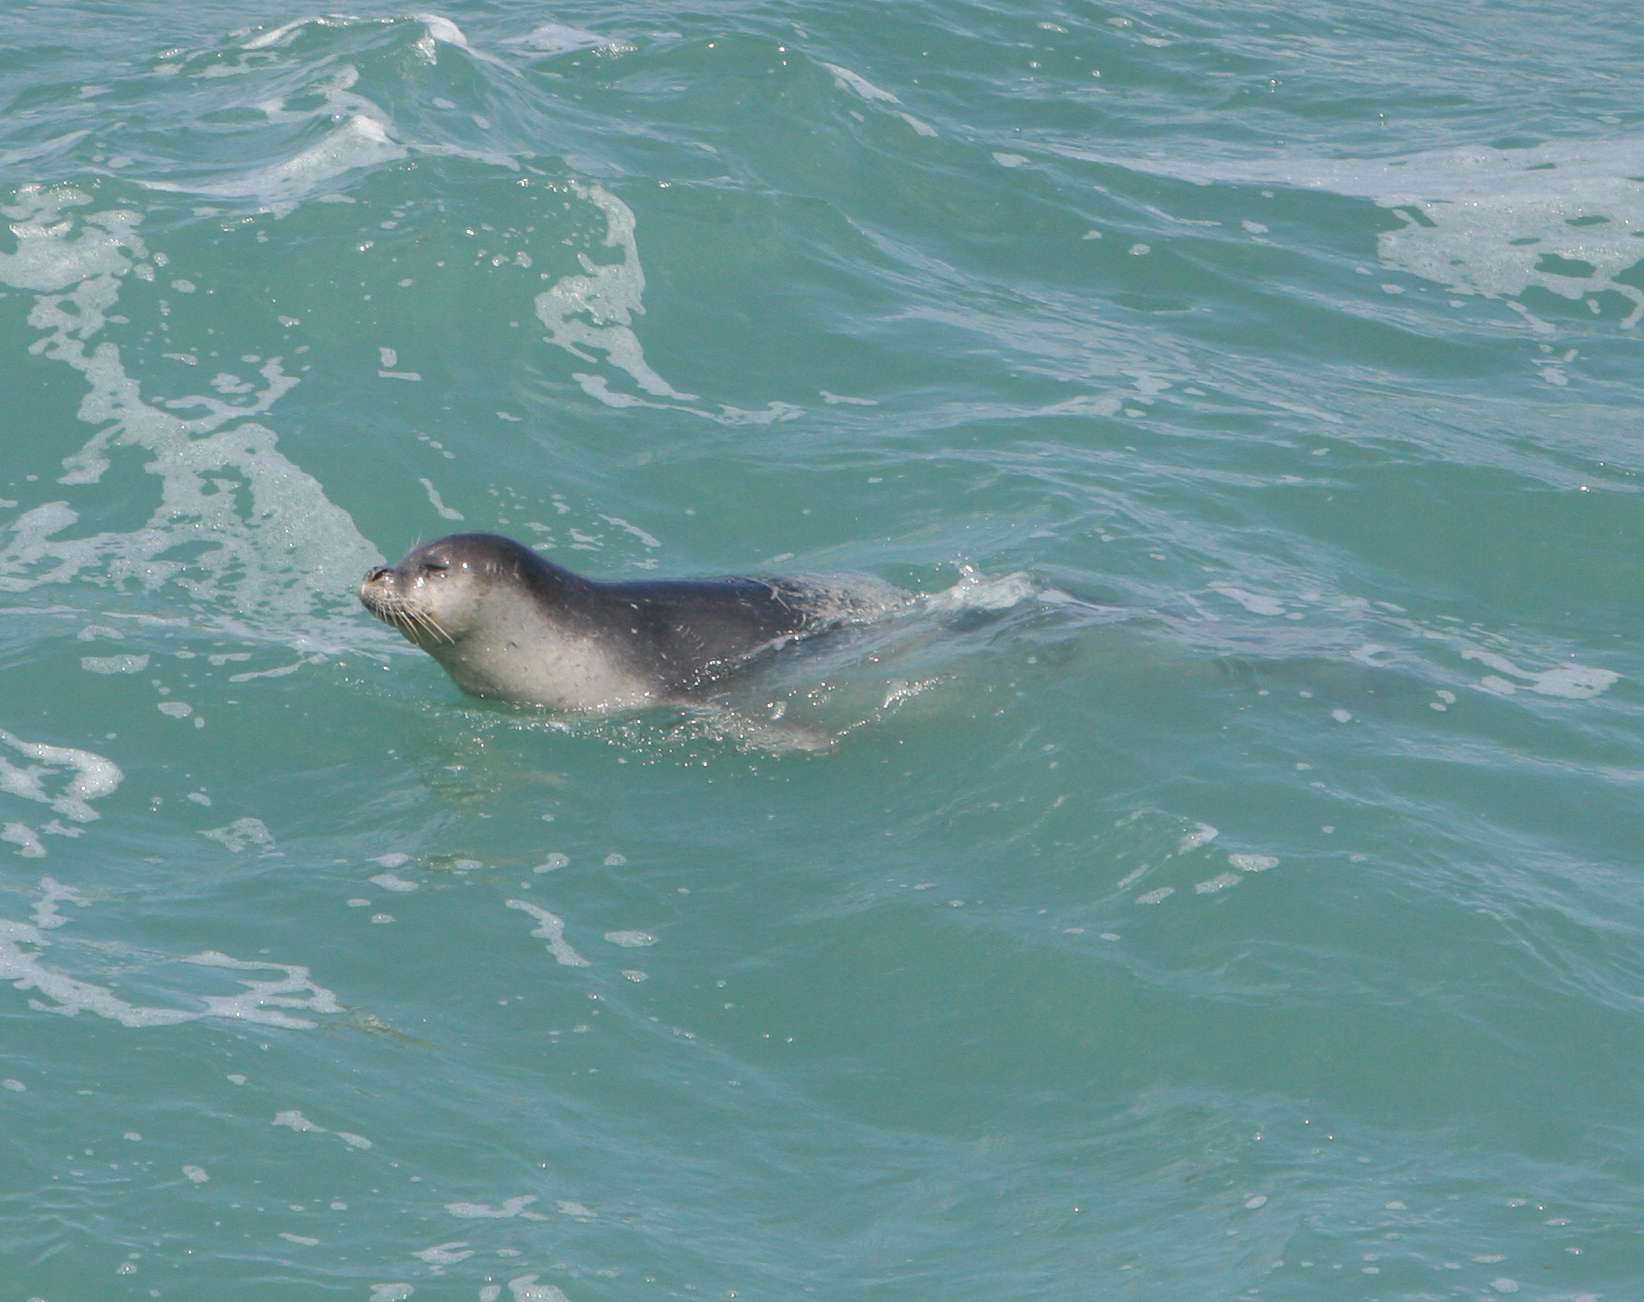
column 374, row 574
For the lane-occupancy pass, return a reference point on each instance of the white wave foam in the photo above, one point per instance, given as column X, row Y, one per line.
column 52, row 894
column 114, row 664
column 609, row 295
column 484, row 1211
column 239, row 834
column 1256, row 603
column 859, row 85
column 1479, row 220
column 1572, row 682
column 1202, row 834
column 446, row 1254
column 280, row 547
column 294, row 1120
column 23, row 837
column 551, row 928
column 261, row 1002
column 361, row 141
column 94, row 777
column 526, row 1289
column 557, row 38
column 973, row 592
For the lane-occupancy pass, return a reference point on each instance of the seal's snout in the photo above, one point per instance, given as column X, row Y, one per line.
column 376, row 590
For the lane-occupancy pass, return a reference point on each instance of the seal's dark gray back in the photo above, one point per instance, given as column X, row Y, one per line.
column 689, row 632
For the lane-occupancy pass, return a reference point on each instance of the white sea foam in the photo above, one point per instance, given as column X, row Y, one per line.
column 609, row 295
column 630, row 939
column 279, row 547
column 1572, row 682
column 1252, row 863
column 557, row 38
column 526, row 1289
column 23, row 836
column 973, row 592
column 129, row 664
column 361, row 141
column 637, row 532
column 94, row 776
column 440, row 508
column 52, row 894
column 241, row 833
column 279, row 671
column 262, row 1002
column 858, row 85
column 389, row 882
column 1256, row 603
column 551, row 928
column 1202, row 834
column 294, row 1120
column 484, row 1211
column 1486, row 216
column 446, row 1254
column 595, row 311
column 1220, row 882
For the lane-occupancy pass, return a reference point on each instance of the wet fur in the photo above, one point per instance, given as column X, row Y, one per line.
column 509, row 624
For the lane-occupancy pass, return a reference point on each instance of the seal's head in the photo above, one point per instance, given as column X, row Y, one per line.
column 437, row 595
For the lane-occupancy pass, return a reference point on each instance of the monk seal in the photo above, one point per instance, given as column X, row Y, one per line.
column 510, row 625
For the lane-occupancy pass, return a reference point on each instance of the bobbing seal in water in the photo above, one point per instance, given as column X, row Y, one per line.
column 510, row 625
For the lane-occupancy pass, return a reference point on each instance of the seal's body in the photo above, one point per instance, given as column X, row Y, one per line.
column 510, row 625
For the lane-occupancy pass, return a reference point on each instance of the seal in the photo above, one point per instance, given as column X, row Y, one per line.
column 509, row 625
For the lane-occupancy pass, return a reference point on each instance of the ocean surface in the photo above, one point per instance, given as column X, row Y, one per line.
column 1220, row 878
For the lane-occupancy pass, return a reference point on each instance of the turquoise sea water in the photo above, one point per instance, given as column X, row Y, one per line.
column 1225, row 881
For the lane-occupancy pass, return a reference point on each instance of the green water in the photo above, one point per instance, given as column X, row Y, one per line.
column 1222, row 883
